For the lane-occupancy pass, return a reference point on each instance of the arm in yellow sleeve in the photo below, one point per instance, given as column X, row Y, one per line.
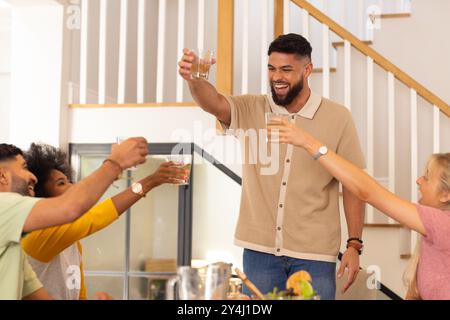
column 45, row 244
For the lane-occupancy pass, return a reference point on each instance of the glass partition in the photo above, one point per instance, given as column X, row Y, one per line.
column 216, row 200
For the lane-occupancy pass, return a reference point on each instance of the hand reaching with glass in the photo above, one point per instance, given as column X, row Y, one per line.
column 130, row 152
column 283, row 131
column 196, row 65
column 169, row 172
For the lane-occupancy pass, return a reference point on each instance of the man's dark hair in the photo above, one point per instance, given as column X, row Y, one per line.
column 41, row 160
column 291, row 43
column 9, row 152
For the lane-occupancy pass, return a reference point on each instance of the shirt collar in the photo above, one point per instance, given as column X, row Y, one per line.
column 308, row 111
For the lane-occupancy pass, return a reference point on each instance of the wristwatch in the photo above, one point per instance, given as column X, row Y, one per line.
column 322, row 151
column 138, row 189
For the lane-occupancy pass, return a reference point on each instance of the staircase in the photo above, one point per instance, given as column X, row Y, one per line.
column 400, row 122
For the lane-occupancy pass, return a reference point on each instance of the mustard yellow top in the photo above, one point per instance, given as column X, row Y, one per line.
column 47, row 244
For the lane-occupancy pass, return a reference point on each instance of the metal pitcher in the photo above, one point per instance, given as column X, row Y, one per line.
column 208, row 283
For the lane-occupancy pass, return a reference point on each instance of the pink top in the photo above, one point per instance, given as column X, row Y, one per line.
column 433, row 273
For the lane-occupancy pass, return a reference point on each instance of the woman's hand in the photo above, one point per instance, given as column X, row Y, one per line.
column 286, row 132
column 168, row 172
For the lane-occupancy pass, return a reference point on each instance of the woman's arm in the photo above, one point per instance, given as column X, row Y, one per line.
column 45, row 244
column 356, row 180
column 166, row 173
column 83, row 195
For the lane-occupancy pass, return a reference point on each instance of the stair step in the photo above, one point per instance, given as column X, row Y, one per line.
column 383, row 225
column 395, row 15
column 341, row 43
column 320, row 70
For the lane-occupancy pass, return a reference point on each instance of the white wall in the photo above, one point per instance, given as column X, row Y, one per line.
column 420, row 45
column 156, row 125
column 5, row 59
column 36, row 56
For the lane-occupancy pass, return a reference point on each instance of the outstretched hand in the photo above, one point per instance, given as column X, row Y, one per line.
column 168, row 172
column 130, row 152
column 186, row 62
column 286, row 132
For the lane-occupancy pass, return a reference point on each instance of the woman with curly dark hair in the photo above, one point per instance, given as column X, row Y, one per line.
column 55, row 253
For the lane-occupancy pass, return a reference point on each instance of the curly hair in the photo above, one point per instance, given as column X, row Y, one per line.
column 9, row 152
column 41, row 160
column 291, row 43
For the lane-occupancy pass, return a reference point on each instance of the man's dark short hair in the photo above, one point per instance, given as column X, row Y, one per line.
column 41, row 160
column 291, row 43
column 9, row 152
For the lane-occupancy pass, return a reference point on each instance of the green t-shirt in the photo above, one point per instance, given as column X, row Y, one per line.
column 17, row 278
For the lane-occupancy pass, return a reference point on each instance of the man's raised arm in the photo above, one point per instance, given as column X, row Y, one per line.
column 204, row 93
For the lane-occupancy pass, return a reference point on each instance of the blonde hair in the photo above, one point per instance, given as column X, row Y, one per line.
column 442, row 162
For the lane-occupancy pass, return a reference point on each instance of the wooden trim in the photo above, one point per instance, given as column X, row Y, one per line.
column 278, row 18
column 394, row 15
column 341, row 43
column 383, row 225
column 134, row 105
column 225, row 45
column 378, row 59
column 320, row 70
column 225, row 41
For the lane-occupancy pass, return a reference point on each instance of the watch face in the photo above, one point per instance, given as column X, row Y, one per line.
column 323, row 150
column 136, row 187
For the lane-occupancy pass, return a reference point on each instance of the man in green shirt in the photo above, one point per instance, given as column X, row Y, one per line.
column 20, row 213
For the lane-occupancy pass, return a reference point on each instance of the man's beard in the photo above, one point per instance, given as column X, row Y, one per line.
column 290, row 96
column 20, row 186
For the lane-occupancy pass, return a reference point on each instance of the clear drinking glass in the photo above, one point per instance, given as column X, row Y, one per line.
column 202, row 64
column 124, row 175
column 272, row 121
column 181, row 161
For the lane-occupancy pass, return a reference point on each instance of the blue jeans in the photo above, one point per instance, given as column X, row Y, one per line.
column 268, row 271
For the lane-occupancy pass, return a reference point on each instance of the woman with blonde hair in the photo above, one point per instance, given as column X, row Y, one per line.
column 429, row 273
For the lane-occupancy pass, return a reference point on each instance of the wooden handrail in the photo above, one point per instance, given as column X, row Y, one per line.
column 377, row 58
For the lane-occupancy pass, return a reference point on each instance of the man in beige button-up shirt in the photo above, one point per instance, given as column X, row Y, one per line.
column 289, row 216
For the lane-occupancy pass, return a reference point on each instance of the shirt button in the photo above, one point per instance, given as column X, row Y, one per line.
column 279, row 228
column 293, row 117
column 278, row 250
column 284, row 183
column 288, row 160
column 281, row 205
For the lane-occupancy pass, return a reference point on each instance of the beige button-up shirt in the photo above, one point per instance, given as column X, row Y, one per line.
column 289, row 203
